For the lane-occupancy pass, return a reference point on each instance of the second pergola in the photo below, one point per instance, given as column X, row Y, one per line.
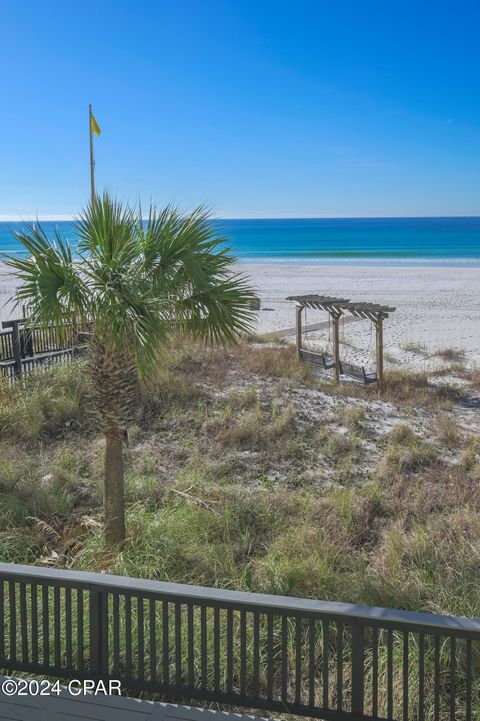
column 336, row 308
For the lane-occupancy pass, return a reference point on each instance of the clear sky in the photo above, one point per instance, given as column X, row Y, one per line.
column 260, row 108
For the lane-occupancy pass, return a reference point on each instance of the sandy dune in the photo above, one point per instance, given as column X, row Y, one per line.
column 436, row 307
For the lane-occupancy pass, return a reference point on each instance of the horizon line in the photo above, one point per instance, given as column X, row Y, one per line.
column 63, row 218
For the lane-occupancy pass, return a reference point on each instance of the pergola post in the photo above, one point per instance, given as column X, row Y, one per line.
column 379, row 350
column 299, row 310
column 336, row 307
column 336, row 347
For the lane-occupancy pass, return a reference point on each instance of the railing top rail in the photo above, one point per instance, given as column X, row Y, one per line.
column 11, row 322
column 250, row 601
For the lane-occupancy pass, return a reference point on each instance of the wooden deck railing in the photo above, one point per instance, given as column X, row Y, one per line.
column 312, row 658
column 22, row 349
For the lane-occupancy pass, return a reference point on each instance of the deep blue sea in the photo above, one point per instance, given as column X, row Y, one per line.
column 392, row 241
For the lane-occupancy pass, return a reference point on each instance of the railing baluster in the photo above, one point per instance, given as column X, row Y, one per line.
column 56, row 627
column 216, row 648
column 437, row 679
column 140, row 639
column 311, row 662
column 325, row 665
column 98, row 627
column 229, row 650
column 68, row 627
column 203, row 644
column 104, row 632
column 165, row 644
column 269, row 656
column 468, row 683
column 389, row 674
column 339, row 626
column 23, row 622
column 178, row 644
column 116, row 634
column 284, row 658
column 153, row 641
column 128, row 636
column 80, row 643
column 453, row 678
column 46, row 626
column 358, row 666
column 298, row 659
column 13, row 621
column 405, row 674
column 421, row 677
column 243, row 652
column 375, row 671
column 33, row 621
column 256, row 653
column 191, row 648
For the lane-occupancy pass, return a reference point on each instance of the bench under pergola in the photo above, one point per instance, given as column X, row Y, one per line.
column 336, row 308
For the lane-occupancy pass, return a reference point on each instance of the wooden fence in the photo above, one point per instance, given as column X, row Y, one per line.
column 22, row 348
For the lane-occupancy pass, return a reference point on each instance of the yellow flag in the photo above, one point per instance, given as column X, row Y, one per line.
column 94, row 126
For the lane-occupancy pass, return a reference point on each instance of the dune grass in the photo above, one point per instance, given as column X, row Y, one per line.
column 243, row 473
column 237, row 487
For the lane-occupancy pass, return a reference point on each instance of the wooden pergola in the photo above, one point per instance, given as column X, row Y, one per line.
column 375, row 313
column 336, row 307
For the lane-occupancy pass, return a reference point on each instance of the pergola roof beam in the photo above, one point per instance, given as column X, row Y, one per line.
column 371, row 311
column 321, row 302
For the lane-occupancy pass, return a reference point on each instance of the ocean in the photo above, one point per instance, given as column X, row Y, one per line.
column 349, row 241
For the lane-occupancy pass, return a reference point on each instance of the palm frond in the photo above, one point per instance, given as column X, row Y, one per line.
column 191, row 264
column 135, row 281
column 50, row 282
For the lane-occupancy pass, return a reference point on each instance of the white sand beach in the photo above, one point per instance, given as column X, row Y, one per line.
column 437, row 308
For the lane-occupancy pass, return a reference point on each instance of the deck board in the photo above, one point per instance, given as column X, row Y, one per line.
column 104, row 708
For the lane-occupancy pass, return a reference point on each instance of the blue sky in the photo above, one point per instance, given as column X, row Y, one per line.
column 260, row 108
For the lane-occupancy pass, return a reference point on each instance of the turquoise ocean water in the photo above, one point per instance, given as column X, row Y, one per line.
column 392, row 241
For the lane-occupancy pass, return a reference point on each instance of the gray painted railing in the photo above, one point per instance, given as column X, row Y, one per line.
column 313, row 658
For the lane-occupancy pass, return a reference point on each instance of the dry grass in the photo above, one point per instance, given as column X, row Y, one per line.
column 446, row 429
column 275, row 362
column 256, row 429
column 355, row 417
column 402, row 385
column 243, row 472
column 450, row 354
column 405, row 453
column 414, row 347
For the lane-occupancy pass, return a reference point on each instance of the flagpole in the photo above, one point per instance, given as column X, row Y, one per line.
column 92, row 161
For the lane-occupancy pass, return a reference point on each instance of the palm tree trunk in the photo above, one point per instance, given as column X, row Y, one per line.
column 114, row 491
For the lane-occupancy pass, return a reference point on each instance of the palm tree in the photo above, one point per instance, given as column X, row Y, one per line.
column 134, row 284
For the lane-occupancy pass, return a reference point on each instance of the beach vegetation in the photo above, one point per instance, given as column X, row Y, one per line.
column 447, row 430
column 355, row 417
column 405, row 452
column 450, row 354
column 338, row 447
column 403, row 385
column 414, row 347
column 228, row 483
column 132, row 285
column 389, row 358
